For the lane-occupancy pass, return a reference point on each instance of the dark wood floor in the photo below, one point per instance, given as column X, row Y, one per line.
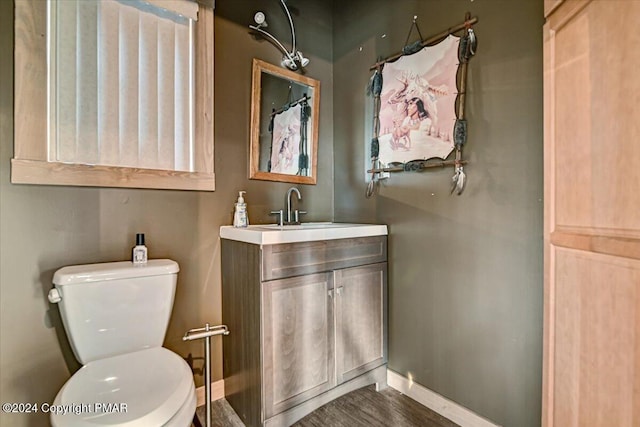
column 361, row 408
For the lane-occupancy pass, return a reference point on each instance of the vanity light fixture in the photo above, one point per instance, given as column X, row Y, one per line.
column 292, row 60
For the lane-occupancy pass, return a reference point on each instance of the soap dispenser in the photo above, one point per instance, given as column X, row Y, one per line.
column 240, row 217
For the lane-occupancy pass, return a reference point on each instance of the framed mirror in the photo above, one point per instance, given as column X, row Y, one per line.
column 284, row 125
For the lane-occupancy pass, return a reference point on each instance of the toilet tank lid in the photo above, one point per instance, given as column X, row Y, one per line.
column 76, row 274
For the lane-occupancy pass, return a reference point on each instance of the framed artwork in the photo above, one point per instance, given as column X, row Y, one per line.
column 417, row 104
column 285, row 144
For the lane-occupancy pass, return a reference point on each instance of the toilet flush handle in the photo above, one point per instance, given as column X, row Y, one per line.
column 54, row 296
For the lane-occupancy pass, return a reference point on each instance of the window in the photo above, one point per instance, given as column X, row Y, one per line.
column 117, row 94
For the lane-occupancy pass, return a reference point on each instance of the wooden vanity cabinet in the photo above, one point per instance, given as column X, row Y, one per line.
column 297, row 340
column 308, row 323
column 360, row 309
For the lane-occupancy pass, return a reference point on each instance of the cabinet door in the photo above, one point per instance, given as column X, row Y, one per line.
column 591, row 362
column 361, row 320
column 297, row 340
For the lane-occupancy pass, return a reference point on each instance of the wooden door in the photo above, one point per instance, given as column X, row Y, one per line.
column 297, row 340
column 361, row 319
column 592, row 214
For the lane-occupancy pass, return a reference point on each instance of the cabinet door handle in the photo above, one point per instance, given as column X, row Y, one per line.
column 330, row 293
column 339, row 291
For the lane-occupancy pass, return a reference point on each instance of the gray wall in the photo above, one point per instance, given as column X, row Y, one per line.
column 43, row 228
column 465, row 285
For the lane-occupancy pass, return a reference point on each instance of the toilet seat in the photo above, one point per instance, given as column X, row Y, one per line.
column 140, row 389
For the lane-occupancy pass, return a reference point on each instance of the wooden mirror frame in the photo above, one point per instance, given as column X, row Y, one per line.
column 258, row 68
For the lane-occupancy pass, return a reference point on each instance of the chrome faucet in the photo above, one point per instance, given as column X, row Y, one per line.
column 289, row 192
column 293, row 217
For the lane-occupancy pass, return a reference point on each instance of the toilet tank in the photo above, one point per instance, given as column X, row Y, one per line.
column 116, row 307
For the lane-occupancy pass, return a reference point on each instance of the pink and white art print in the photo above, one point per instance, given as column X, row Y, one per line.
column 285, row 145
column 417, row 104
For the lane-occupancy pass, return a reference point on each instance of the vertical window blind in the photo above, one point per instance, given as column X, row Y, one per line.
column 123, row 78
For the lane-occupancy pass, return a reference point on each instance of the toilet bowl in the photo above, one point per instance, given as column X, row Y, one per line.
column 115, row 315
column 151, row 387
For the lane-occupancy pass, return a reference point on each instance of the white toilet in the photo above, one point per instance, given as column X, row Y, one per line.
column 116, row 316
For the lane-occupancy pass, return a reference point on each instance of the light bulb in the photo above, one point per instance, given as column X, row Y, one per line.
column 289, row 63
column 260, row 19
column 303, row 61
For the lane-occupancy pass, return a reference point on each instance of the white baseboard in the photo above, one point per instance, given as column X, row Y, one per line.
column 217, row 392
column 432, row 400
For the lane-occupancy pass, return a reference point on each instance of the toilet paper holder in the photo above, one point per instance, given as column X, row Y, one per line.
column 206, row 333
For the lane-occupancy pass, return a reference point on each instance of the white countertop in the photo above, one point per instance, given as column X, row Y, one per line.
column 272, row 234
